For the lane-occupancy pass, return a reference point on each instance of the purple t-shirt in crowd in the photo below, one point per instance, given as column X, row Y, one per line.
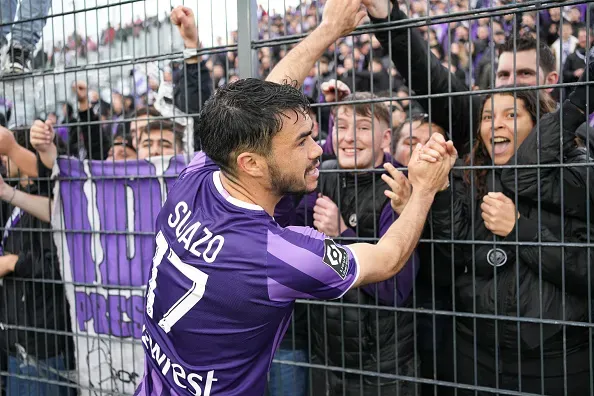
column 391, row 292
column 221, row 290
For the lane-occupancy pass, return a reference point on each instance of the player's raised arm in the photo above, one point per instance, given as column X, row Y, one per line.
column 385, row 259
column 340, row 17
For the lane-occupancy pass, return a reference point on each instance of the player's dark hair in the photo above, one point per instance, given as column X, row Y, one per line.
column 529, row 43
column 244, row 116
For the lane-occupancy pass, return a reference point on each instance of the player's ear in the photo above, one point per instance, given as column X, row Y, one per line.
column 251, row 164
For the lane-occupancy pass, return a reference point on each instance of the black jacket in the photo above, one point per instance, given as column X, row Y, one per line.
column 33, row 295
column 89, row 136
column 514, row 287
column 366, row 81
column 359, row 338
column 574, row 61
column 459, row 114
column 192, row 87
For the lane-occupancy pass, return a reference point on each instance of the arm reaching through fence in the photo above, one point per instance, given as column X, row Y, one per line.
column 36, row 205
column 7, row 264
column 386, row 258
column 184, row 19
column 340, row 18
column 23, row 158
column 415, row 62
column 193, row 85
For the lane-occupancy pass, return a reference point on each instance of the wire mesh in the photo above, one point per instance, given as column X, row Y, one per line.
column 99, row 107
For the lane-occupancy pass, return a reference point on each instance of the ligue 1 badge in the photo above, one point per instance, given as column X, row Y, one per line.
column 353, row 220
column 496, row 257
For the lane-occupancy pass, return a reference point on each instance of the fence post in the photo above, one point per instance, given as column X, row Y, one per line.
column 247, row 31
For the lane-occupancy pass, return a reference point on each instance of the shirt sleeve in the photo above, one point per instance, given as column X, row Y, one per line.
column 304, row 263
column 387, row 217
column 396, row 289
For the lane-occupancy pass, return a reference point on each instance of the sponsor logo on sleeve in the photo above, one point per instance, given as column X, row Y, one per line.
column 336, row 257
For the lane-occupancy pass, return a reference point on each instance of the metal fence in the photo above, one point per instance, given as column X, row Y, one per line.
column 496, row 298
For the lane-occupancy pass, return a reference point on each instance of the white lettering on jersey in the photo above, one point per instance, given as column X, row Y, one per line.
column 181, row 206
column 186, row 233
column 178, row 373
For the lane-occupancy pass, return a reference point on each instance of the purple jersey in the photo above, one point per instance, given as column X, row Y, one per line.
column 221, row 290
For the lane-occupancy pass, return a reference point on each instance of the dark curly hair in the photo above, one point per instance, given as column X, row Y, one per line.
column 244, row 116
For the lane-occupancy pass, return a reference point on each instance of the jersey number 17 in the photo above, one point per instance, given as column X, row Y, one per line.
column 189, row 299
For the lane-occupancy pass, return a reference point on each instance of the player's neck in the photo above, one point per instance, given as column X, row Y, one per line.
column 254, row 194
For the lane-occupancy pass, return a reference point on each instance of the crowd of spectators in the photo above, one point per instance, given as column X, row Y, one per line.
column 390, row 75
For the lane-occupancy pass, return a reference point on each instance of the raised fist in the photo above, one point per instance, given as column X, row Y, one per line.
column 41, row 135
column 183, row 18
column 335, row 91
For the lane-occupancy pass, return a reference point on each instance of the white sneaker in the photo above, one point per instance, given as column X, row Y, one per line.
column 17, row 60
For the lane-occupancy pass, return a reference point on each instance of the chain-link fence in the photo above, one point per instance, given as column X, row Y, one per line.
column 99, row 107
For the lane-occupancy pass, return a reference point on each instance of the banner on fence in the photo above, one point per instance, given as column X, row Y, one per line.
column 104, row 217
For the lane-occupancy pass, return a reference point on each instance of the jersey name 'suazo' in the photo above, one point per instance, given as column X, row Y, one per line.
column 185, row 233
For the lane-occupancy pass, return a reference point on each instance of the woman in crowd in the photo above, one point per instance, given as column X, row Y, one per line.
column 499, row 208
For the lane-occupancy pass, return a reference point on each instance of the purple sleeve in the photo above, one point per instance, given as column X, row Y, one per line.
column 304, row 263
column 349, row 233
column 404, row 280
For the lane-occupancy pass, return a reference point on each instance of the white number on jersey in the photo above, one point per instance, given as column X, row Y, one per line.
column 192, row 296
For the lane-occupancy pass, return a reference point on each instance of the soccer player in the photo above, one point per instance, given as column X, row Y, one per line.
column 225, row 275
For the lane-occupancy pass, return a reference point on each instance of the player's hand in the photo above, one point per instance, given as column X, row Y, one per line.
column 499, row 213
column 437, row 149
column 183, row 18
column 327, row 218
column 427, row 176
column 7, row 141
column 41, row 135
column 380, row 9
column 343, row 16
column 400, row 188
column 335, row 90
